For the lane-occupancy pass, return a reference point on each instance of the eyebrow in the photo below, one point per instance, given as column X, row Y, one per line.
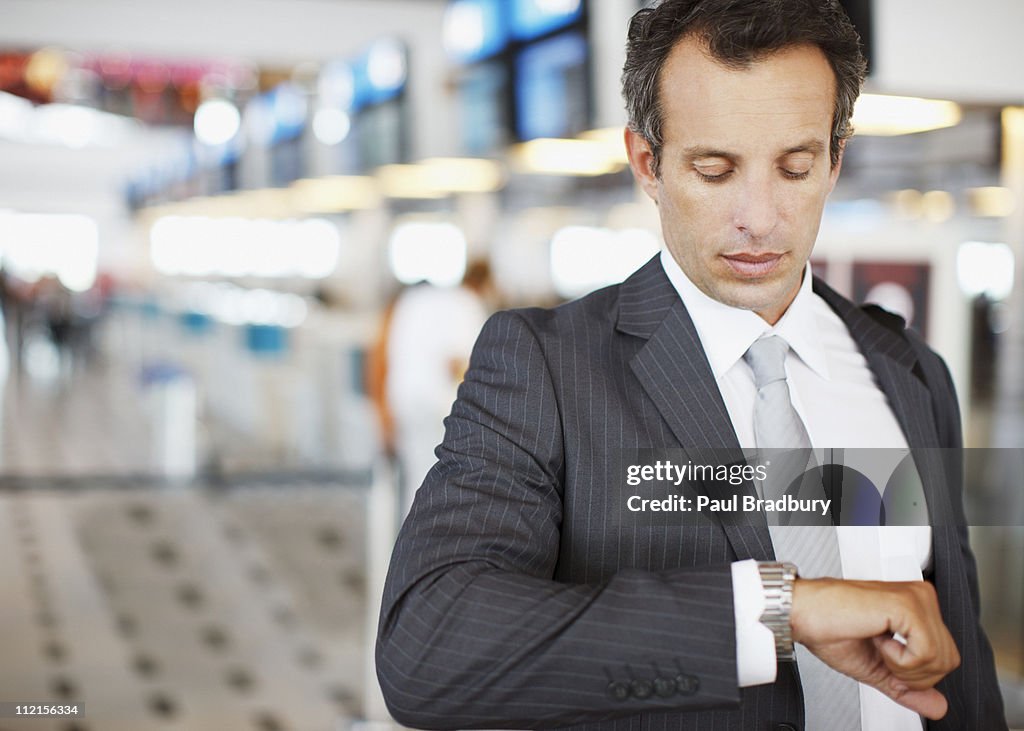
column 815, row 147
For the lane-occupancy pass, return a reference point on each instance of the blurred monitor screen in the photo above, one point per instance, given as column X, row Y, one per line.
column 552, row 88
column 483, row 108
column 378, row 132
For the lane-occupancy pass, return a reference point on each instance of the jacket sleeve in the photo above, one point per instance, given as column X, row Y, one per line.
column 474, row 631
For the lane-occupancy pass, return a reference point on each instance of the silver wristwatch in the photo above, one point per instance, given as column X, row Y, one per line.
column 777, row 578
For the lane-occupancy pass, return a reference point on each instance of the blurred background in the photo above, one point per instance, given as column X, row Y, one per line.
column 246, row 246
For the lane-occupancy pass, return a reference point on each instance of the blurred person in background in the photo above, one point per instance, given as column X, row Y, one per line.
column 376, row 379
column 430, row 332
column 15, row 298
column 55, row 303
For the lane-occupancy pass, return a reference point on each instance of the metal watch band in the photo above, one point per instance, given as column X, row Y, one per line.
column 777, row 578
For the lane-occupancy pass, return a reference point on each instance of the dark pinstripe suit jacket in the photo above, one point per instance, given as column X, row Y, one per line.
column 512, row 599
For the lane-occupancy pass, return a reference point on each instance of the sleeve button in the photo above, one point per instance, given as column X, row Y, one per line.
column 642, row 688
column 618, row 691
column 687, row 684
column 664, row 687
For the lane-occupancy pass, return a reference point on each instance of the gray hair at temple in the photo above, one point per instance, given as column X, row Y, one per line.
column 738, row 33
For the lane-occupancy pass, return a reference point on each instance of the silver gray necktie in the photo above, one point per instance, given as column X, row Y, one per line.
column 831, row 700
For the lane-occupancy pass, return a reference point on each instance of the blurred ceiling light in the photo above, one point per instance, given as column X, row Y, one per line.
column 564, row 157
column 991, row 201
column 463, row 174
column 985, row 268
column 908, row 203
column 407, row 181
column 334, row 194
column 884, row 115
column 386, row 65
column 201, row 246
column 67, row 125
column 584, row 258
column 216, row 122
column 41, row 244
column 938, row 206
column 440, row 176
column 331, row 126
column 1012, row 144
column 464, row 30
column 263, row 203
column 613, row 140
column 44, row 69
column 434, row 252
column 259, row 203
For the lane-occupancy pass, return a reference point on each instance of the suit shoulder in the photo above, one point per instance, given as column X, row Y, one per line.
column 565, row 320
column 889, row 320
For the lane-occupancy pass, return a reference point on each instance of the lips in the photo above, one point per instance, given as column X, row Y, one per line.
column 753, row 265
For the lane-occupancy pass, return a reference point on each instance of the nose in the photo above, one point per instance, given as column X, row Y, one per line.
column 757, row 212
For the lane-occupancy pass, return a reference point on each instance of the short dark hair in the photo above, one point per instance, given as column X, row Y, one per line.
column 737, row 33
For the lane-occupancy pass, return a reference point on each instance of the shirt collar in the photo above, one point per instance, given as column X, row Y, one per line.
column 727, row 332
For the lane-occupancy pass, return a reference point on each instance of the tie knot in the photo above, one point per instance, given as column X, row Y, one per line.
column 767, row 359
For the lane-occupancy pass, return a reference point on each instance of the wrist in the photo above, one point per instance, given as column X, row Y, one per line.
column 808, row 595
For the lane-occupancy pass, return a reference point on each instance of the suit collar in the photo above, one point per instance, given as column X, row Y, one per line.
column 645, row 298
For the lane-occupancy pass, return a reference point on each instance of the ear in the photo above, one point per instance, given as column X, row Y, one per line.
column 641, row 160
column 833, row 175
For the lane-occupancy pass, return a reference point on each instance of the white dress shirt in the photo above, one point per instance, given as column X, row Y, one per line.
column 828, row 376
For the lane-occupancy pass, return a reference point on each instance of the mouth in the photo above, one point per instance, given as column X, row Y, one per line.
column 753, row 266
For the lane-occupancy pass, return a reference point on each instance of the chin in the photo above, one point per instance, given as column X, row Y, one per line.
column 743, row 298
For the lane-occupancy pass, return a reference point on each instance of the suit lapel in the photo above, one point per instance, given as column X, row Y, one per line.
column 674, row 371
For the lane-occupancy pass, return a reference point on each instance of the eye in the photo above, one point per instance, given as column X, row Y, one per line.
column 713, row 178
column 795, row 175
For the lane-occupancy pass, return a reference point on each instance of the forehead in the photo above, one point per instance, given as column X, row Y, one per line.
column 789, row 93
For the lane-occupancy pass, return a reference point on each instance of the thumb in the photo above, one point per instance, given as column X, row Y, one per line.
column 929, row 703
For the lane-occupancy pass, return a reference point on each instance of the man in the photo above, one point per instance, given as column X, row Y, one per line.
column 515, row 600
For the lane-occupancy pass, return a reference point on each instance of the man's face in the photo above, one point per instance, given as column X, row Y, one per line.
column 745, row 171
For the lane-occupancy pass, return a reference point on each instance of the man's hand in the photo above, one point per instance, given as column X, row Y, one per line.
column 849, row 625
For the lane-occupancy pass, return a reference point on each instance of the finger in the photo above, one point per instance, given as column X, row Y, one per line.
column 916, row 672
column 923, row 672
column 929, row 703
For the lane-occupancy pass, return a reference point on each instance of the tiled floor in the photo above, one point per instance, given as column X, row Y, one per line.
column 185, row 609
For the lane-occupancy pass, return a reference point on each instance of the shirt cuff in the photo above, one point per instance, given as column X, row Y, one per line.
column 755, row 643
